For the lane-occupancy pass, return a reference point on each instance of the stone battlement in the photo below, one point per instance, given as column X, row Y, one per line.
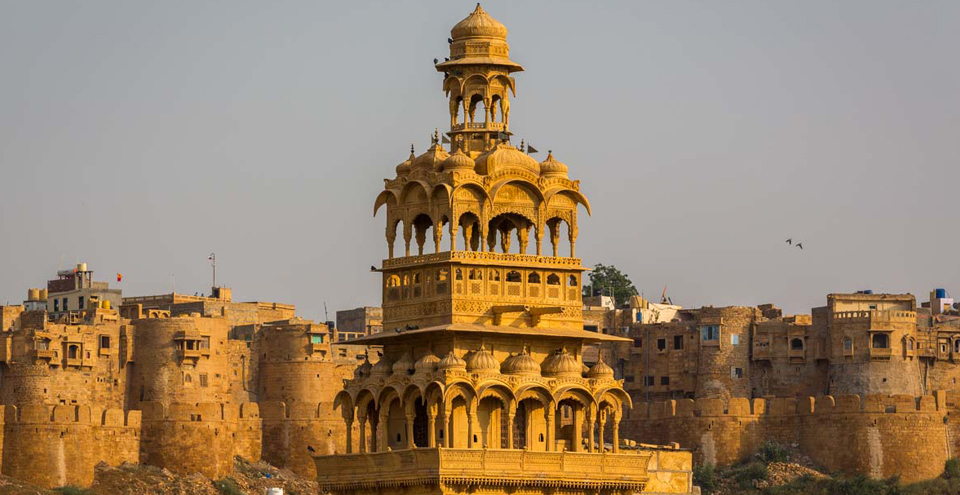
column 33, row 414
column 786, row 406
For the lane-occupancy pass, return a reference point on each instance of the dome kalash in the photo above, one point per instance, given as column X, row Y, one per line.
column 482, row 313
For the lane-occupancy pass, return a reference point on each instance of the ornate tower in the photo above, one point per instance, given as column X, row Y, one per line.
column 482, row 385
column 487, row 196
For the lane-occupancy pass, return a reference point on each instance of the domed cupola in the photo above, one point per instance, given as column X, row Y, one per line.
column 404, row 167
column 382, row 368
column 481, row 361
column 562, row 365
column 479, row 24
column 505, row 157
column 451, row 362
column 364, row 369
column 600, row 371
column 521, row 364
column 431, row 159
column 427, row 364
column 458, row 161
column 552, row 167
column 404, row 366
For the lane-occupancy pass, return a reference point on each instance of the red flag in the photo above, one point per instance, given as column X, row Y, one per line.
column 119, row 277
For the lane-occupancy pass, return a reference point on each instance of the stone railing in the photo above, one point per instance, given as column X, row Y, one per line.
column 488, row 467
column 895, row 316
column 484, row 257
column 496, row 126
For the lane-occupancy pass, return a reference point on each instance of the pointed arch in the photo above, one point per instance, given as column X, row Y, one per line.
column 484, row 196
column 409, row 186
column 452, row 86
column 505, row 81
column 576, row 196
column 618, row 394
column 528, row 186
column 384, row 198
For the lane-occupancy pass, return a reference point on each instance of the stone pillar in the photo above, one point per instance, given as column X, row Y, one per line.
column 383, row 430
column 603, row 424
column 432, row 430
column 467, row 235
column 362, row 447
column 572, row 235
column 437, row 236
column 555, row 239
column 616, row 434
column 391, row 237
column 422, row 239
column 472, row 426
column 538, row 235
column 445, row 426
column 410, row 444
column 592, row 421
column 407, row 236
column 577, row 429
column 551, row 411
column 510, row 416
column 524, row 234
column 349, row 423
column 453, row 236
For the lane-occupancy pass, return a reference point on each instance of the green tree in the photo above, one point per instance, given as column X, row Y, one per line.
column 610, row 281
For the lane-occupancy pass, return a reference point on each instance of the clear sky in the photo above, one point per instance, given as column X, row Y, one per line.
column 141, row 136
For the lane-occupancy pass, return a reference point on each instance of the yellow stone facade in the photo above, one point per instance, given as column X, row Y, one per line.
column 482, row 385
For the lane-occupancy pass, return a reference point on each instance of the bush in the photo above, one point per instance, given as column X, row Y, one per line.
column 746, row 475
column 227, row 486
column 72, row 490
column 705, row 476
column 772, row 452
column 951, row 470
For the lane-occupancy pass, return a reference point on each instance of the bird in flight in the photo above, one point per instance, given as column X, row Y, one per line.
column 800, row 245
column 790, row 241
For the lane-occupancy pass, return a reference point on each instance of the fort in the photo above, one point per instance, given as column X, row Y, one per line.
column 177, row 381
column 874, row 371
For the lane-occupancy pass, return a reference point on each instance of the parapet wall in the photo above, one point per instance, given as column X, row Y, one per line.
column 877, row 435
column 60, row 445
column 288, row 431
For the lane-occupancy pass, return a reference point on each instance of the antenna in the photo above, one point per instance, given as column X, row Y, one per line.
column 213, row 262
column 326, row 317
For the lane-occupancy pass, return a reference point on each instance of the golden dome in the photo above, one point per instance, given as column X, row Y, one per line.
column 552, row 168
column 600, row 371
column 450, row 362
column 561, row 365
column 404, row 366
column 431, row 159
column 405, row 166
column 382, row 368
column 458, row 161
column 427, row 364
column 479, row 24
column 503, row 157
column 521, row 364
column 482, row 361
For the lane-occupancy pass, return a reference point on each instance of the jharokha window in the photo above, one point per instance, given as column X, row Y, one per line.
column 495, row 275
column 533, row 278
column 553, row 279
column 573, row 281
column 514, row 276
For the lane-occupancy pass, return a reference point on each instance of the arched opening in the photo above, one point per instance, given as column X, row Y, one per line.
column 503, row 226
column 420, row 425
column 559, row 231
column 796, row 344
column 553, row 279
column 469, row 225
column 458, row 428
column 396, row 424
column 73, row 352
column 422, row 226
column 533, row 278
column 374, row 420
column 570, row 421
column 490, row 416
column 848, row 344
column 494, row 104
column 514, row 276
column 476, row 102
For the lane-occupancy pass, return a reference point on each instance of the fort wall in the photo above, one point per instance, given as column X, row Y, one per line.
column 878, row 435
column 60, row 445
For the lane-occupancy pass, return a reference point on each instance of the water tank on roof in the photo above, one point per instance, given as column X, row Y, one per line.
column 43, row 294
column 81, row 267
column 868, row 291
column 33, row 294
column 940, row 293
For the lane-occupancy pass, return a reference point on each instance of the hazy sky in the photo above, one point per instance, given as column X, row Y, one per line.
column 141, row 136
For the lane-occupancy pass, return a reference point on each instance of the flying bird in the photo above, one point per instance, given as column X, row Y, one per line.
column 800, row 245
column 790, row 241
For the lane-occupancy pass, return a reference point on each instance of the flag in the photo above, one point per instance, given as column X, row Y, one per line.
column 531, row 149
column 119, row 277
column 444, row 140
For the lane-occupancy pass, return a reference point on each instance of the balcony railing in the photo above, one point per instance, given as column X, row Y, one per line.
column 880, row 353
column 478, row 126
column 483, row 257
column 483, row 467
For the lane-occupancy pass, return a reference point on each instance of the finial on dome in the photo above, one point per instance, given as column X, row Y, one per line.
column 436, row 136
column 411, row 149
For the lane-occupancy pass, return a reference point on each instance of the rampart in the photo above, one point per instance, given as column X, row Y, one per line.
column 60, row 445
column 876, row 435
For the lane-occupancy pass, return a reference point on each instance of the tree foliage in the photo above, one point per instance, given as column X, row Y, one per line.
column 610, row 281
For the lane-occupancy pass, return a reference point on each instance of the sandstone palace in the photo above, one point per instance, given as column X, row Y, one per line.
column 487, row 370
